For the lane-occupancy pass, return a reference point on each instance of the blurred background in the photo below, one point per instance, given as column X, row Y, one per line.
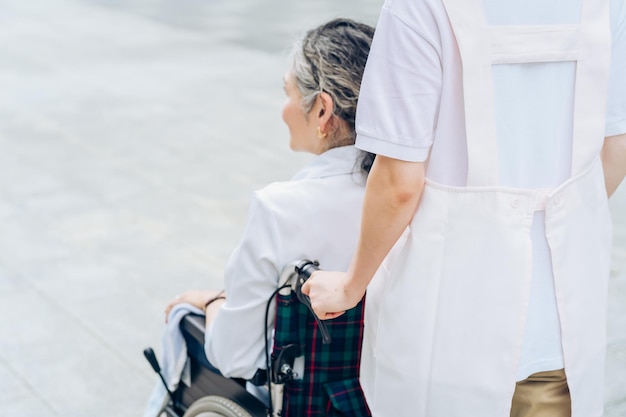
column 132, row 133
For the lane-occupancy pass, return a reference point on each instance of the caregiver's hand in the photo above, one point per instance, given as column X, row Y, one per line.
column 330, row 294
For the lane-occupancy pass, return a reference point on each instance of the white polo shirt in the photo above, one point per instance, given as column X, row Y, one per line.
column 411, row 108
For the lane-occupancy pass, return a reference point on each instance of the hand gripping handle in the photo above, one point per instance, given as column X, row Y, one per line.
column 305, row 269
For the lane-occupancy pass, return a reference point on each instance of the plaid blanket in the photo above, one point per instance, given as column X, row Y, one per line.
column 330, row 385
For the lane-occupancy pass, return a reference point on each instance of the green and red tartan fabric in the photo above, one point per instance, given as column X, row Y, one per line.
column 330, row 384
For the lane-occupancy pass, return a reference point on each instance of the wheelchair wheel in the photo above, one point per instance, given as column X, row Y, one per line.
column 216, row 406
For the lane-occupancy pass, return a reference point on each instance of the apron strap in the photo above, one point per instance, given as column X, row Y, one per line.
column 592, row 82
column 525, row 44
column 472, row 36
column 481, row 46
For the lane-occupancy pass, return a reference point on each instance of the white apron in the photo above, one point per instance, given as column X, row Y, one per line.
column 446, row 312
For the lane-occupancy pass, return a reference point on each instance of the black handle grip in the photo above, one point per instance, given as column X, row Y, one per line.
column 305, row 269
column 152, row 359
column 154, row 363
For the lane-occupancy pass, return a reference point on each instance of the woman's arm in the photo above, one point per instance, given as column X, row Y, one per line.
column 614, row 162
column 198, row 299
column 392, row 194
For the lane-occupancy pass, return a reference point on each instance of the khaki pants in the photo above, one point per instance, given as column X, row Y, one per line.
column 544, row 394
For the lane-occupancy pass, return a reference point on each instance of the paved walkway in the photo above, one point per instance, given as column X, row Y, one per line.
column 131, row 136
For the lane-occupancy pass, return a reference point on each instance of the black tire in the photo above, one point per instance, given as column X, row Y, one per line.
column 215, row 406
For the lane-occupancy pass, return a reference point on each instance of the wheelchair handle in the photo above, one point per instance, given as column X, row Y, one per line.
column 151, row 357
column 154, row 363
column 305, row 269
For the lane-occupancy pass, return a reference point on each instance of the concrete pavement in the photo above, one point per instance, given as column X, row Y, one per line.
column 131, row 136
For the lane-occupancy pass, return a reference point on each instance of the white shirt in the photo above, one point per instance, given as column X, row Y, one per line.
column 316, row 215
column 411, row 108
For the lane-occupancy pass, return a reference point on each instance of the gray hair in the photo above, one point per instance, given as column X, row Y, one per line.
column 331, row 59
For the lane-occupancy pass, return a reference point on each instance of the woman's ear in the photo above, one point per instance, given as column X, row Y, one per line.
column 324, row 111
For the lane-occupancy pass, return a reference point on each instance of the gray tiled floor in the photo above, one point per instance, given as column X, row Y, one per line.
column 131, row 135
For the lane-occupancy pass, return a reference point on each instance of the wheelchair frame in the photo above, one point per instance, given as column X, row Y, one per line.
column 213, row 395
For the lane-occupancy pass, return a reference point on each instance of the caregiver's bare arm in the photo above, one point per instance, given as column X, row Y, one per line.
column 392, row 194
column 614, row 162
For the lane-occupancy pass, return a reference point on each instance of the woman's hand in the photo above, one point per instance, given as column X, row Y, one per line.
column 197, row 298
column 330, row 295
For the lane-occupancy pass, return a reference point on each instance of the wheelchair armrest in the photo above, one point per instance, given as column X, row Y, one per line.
column 192, row 328
column 193, row 325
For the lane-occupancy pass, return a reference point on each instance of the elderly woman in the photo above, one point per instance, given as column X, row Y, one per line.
column 315, row 215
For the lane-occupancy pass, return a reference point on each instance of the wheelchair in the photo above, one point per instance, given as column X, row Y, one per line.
column 309, row 371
